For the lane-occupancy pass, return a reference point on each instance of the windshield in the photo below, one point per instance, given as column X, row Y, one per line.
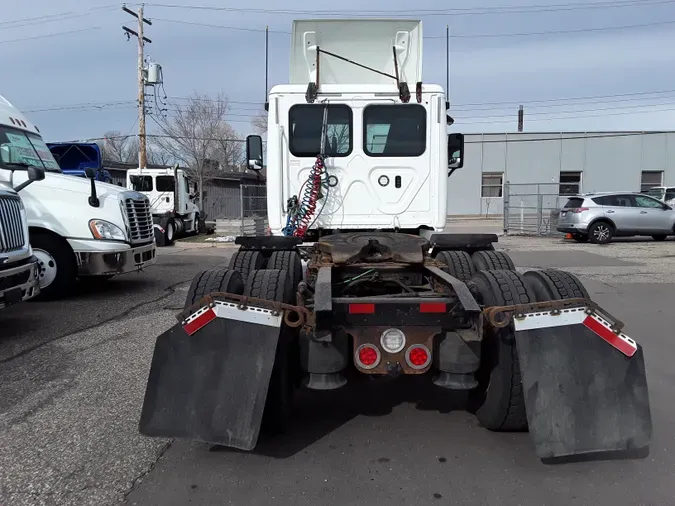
column 29, row 148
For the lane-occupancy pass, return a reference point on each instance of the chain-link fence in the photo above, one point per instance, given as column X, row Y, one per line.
column 238, row 211
column 253, row 210
column 533, row 208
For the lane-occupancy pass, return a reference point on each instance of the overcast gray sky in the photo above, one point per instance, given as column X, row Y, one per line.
column 574, row 68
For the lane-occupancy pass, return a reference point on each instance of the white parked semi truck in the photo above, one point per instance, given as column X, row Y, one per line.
column 360, row 278
column 172, row 201
column 78, row 228
column 19, row 271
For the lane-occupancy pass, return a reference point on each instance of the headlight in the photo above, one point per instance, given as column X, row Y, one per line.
column 102, row 229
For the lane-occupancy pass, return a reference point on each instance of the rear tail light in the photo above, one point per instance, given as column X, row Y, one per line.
column 392, row 340
column 418, row 356
column 361, row 308
column 367, row 356
column 577, row 210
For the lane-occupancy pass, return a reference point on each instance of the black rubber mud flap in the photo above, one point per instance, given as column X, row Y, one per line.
column 585, row 390
column 211, row 386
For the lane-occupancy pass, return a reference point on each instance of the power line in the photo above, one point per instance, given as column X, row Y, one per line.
column 422, row 12
column 558, row 136
column 557, row 118
column 48, row 18
column 453, row 36
column 50, row 35
column 237, row 112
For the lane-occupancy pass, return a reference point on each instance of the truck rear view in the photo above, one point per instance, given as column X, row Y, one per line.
column 338, row 294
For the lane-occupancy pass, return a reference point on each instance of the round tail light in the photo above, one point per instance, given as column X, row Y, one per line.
column 367, row 356
column 418, row 356
column 392, row 340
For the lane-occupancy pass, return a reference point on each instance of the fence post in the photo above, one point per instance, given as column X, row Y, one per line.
column 505, row 210
column 241, row 208
column 540, row 205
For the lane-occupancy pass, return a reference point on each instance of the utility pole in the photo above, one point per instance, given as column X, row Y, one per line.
column 521, row 114
column 142, row 146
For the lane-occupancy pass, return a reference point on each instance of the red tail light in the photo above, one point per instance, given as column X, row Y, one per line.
column 577, row 210
column 367, row 356
column 432, row 307
column 361, row 308
column 418, row 356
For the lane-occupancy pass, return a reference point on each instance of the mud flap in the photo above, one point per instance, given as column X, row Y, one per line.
column 585, row 386
column 209, row 376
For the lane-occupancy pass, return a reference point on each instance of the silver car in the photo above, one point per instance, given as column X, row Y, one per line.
column 599, row 217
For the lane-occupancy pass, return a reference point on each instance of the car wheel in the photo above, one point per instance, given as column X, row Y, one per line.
column 601, row 232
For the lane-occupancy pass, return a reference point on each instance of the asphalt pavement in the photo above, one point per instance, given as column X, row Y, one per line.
column 73, row 376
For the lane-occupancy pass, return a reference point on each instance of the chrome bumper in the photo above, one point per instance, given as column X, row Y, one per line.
column 110, row 263
column 18, row 284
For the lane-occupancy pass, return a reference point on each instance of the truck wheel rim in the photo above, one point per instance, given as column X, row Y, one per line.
column 47, row 266
column 169, row 231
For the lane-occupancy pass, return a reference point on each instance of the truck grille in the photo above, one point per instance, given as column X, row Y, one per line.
column 12, row 236
column 140, row 220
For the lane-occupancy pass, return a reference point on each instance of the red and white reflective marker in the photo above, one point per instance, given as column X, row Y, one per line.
column 578, row 316
column 251, row 314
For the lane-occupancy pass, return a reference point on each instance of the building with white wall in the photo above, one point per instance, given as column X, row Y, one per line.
column 560, row 162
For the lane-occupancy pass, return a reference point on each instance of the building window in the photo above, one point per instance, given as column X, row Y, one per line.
column 570, row 183
column 306, row 123
column 650, row 179
column 492, row 184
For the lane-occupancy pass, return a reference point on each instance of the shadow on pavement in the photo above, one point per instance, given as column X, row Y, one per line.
column 318, row 413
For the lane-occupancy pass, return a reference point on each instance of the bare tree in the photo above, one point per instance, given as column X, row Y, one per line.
column 117, row 147
column 197, row 134
column 259, row 124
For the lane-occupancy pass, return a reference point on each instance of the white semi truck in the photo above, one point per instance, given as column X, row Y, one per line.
column 19, row 271
column 172, row 201
column 361, row 279
column 78, row 228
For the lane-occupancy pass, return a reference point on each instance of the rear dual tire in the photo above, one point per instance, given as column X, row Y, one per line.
column 499, row 401
column 491, row 260
column 268, row 284
column 461, row 265
column 275, row 285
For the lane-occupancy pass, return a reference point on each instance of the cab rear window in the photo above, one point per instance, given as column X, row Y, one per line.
column 574, row 203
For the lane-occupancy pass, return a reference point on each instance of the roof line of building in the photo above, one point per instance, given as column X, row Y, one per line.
column 580, row 132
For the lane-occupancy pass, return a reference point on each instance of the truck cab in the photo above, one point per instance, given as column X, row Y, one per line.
column 172, row 201
column 78, row 228
column 19, row 272
column 75, row 158
column 665, row 194
column 386, row 147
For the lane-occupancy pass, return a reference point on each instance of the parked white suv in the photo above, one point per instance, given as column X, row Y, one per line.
column 599, row 217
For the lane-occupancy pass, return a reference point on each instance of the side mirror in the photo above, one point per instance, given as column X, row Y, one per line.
column 254, row 152
column 35, row 173
column 93, row 198
column 455, row 151
column 9, row 154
